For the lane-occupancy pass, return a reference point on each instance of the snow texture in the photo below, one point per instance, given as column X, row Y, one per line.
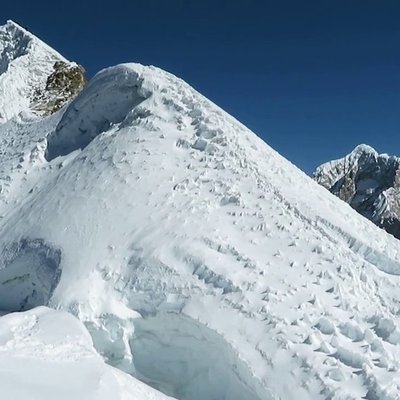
column 200, row 260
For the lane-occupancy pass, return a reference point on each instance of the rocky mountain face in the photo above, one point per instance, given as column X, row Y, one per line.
column 34, row 77
column 369, row 182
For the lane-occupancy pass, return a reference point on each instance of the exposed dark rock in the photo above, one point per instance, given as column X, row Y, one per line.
column 63, row 85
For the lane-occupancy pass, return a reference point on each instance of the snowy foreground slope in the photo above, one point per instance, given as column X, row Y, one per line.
column 200, row 260
column 47, row 355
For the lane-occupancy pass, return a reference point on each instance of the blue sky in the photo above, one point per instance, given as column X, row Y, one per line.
column 312, row 78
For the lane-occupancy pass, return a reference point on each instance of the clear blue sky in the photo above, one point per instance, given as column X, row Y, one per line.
column 312, row 78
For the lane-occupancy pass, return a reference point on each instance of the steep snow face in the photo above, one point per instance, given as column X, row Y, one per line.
column 47, row 355
column 180, row 230
column 369, row 182
column 26, row 63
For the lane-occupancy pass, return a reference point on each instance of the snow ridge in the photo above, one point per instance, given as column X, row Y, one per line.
column 14, row 43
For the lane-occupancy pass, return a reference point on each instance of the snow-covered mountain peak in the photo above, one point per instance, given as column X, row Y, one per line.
column 14, row 42
column 369, row 182
column 17, row 41
column 363, row 149
column 360, row 151
column 33, row 76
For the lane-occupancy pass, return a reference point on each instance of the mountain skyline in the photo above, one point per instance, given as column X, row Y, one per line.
column 313, row 80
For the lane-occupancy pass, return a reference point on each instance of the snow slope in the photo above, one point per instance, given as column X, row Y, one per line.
column 47, row 355
column 369, row 182
column 200, row 260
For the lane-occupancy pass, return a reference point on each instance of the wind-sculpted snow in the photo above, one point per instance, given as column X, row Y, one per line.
column 181, row 231
column 104, row 103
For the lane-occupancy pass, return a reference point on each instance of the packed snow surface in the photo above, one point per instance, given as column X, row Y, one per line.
column 200, row 260
column 47, row 355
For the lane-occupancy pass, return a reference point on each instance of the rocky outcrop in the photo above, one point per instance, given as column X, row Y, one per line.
column 369, row 182
column 66, row 81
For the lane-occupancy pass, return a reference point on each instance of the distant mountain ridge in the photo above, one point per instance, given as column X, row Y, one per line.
column 33, row 77
column 369, row 182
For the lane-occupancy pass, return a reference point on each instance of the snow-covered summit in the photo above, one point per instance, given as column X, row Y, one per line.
column 201, row 261
column 369, row 182
column 363, row 149
column 28, row 68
